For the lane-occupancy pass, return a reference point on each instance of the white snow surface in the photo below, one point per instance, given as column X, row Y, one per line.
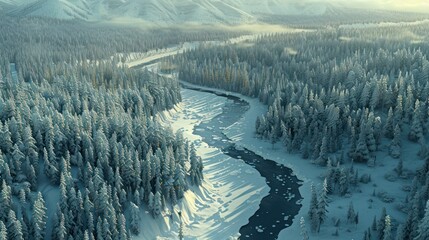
column 231, row 191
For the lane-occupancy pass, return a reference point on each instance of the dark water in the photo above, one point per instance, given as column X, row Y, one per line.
column 278, row 209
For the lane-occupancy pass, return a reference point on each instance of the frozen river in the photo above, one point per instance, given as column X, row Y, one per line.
column 276, row 210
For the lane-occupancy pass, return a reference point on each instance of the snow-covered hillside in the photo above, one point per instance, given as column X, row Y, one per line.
column 61, row 9
column 165, row 11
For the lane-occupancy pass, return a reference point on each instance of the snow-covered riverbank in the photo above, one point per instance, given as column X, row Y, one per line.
column 367, row 205
column 242, row 133
column 231, row 190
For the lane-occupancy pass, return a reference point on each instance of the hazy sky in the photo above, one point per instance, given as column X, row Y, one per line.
column 400, row 5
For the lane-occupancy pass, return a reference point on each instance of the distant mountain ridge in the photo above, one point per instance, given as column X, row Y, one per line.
column 168, row 11
column 185, row 11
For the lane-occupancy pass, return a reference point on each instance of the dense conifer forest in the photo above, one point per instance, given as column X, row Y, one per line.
column 334, row 96
column 84, row 153
column 74, row 119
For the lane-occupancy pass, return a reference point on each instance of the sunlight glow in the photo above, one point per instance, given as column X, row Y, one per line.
column 397, row 5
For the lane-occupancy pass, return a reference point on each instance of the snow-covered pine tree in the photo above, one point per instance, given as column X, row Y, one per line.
column 6, row 143
column 381, row 224
column 195, row 171
column 106, row 233
column 387, row 232
column 366, row 235
column 399, row 233
column 361, row 153
column 32, row 178
column 351, row 213
column 344, row 181
column 323, row 154
column 180, row 181
column 423, row 230
column 135, row 219
column 39, row 217
column 14, row 227
column 5, row 201
column 304, row 233
column 3, row 231
column 17, row 157
column 395, row 145
column 416, row 129
column 157, row 204
column 312, row 212
column 322, row 206
column 374, row 224
column 121, row 226
column 400, row 167
column 398, row 113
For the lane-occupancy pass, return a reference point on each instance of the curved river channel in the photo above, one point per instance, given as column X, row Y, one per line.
column 277, row 209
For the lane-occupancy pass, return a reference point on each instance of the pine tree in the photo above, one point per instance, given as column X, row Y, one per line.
column 351, row 213
column 86, row 235
column 99, row 229
column 423, row 230
column 151, row 202
column 381, row 224
column 387, row 232
column 399, row 168
column 106, row 233
column 312, row 213
column 50, row 169
column 24, row 226
column 304, row 233
column 32, row 178
column 180, row 181
column 39, row 217
column 395, row 145
column 180, row 227
column 195, row 171
column 6, row 143
column 344, row 181
column 416, row 130
column 135, row 219
column 356, row 220
column 361, row 153
column 366, row 236
column 323, row 154
column 322, row 205
column 371, row 141
column 157, row 204
column 18, row 158
column 122, row 232
column 3, row 231
column 14, row 228
column 29, row 144
column 398, row 114
column 5, row 201
column 374, row 224
column 399, row 232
